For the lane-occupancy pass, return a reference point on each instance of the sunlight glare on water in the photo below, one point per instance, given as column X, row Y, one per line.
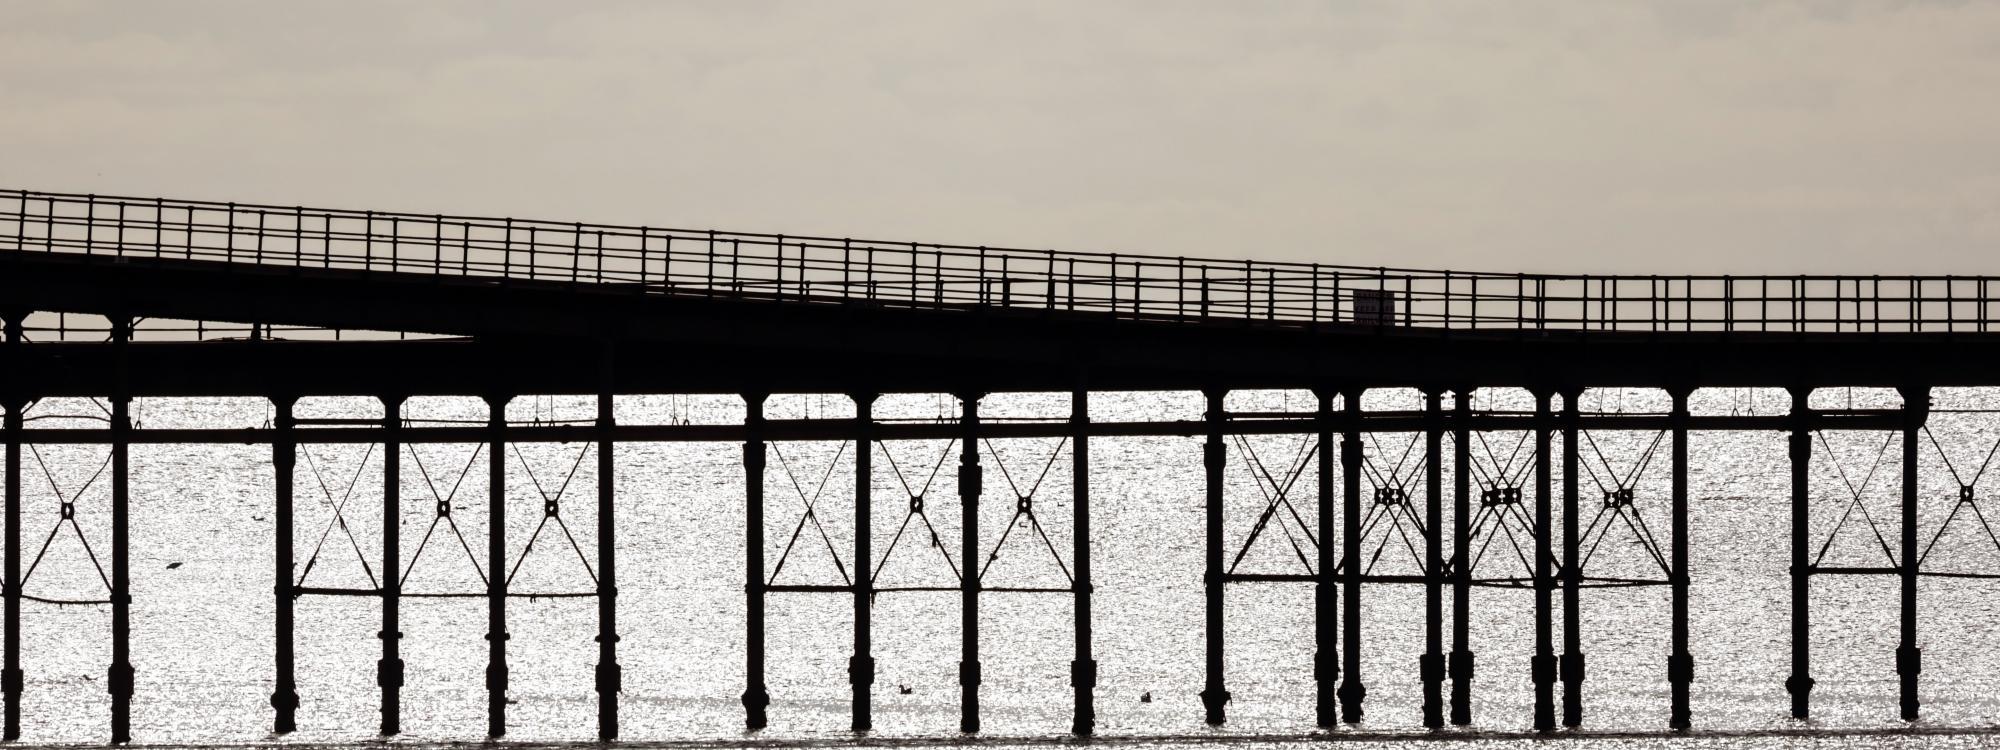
column 202, row 629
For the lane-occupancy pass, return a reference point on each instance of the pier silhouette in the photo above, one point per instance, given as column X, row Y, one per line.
column 123, row 298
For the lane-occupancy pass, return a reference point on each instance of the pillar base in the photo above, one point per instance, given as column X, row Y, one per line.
column 1542, row 671
column 285, row 701
column 1909, row 664
column 1680, row 672
column 861, row 675
column 755, row 702
column 1352, row 692
column 968, row 683
column 1214, row 700
column 1571, row 666
column 1800, row 688
column 1431, row 668
column 1326, row 681
column 1461, row 665
column 1083, row 677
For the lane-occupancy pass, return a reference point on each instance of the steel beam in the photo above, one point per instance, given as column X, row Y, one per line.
column 756, row 697
column 1909, row 657
column 1461, row 573
column 10, row 676
column 1352, row 691
column 1326, row 589
column 861, row 666
column 1800, row 684
column 284, row 459
column 970, row 483
column 1082, row 669
column 1214, row 694
column 496, row 569
column 1431, row 667
column 16, row 405
column 1542, row 668
column 844, row 429
column 610, row 676
column 120, row 678
column 1680, row 663
column 389, row 671
column 1572, row 569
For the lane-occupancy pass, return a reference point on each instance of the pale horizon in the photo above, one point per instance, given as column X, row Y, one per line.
column 1668, row 137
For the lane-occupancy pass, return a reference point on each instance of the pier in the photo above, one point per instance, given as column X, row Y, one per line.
column 119, row 298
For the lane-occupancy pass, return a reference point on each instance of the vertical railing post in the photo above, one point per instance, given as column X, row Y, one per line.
column 756, row 697
column 1431, row 667
column 1326, row 591
column 1572, row 565
column 610, row 677
column 861, row 666
column 15, row 404
column 389, row 671
column 1461, row 573
column 1542, row 667
column 1352, row 691
column 1083, row 669
column 1909, row 658
column 1800, row 684
column 120, row 677
column 1680, row 662
column 970, row 483
column 1214, row 694
column 496, row 568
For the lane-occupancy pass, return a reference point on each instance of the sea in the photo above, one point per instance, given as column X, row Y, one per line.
column 203, row 531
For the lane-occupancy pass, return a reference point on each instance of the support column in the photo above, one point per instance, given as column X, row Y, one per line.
column 284, row 459
column 610, row 677
column 1461, row 575
column 1431, row 667
column 1909, row 658
column 756, row 697
column 1326, row 591
column 119, row 679
column 1680, row 663
column 1083, row 669
column 1800, row 684
column 970, row 482
column 1214, row 696
column 389, row 671
column 1542, row 668
column 1352, row 692
column 861, row 666
column 496, row 570
column 1572, row 567
column 16, row 405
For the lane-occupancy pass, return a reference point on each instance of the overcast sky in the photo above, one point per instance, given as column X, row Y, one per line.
column 1664, row 136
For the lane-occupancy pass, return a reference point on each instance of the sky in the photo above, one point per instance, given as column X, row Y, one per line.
column 1637, row 136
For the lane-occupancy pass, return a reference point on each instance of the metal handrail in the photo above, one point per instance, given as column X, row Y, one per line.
column 811, row 269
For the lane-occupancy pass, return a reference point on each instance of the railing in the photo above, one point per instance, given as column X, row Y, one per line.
column 654, row 260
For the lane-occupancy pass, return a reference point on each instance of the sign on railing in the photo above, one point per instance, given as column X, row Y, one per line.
column 1375, row 307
